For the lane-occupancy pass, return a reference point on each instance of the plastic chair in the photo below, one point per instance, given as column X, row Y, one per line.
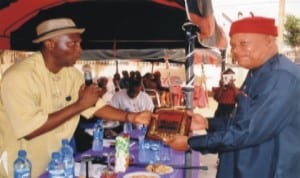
column 154, row 95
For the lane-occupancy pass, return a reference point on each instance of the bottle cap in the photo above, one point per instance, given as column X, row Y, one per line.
column 55, row 155
column 22, row 153
column 64, row 141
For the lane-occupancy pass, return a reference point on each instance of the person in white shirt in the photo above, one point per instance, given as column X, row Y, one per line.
column 133, row 99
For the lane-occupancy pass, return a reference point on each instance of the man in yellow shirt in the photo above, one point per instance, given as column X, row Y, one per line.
column 43, row 96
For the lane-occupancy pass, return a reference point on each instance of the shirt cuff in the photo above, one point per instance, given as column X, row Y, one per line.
column 89, row 113
column 198, row 142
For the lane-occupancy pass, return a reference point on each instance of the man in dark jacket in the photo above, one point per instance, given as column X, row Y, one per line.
column 262, row 139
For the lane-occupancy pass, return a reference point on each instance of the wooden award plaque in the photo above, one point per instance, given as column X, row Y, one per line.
column 168, row 122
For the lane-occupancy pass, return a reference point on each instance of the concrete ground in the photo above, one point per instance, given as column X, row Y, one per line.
column 209, row 160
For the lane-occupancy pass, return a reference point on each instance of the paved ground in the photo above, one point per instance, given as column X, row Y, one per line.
column 209, row 160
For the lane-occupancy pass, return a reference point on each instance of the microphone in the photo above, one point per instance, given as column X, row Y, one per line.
column 87, row 75
column 88, row 78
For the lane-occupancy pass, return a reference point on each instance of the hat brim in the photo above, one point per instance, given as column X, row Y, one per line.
column 57, row 33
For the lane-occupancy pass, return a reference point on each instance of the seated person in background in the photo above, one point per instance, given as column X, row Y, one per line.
column 132, row 74
column 148, row 81
column 225, row 94
column 111, row 128
column 138, row 75
column 102, row 84
column 116, row 81
column 135, row 75
column 124, row 82
column 133, row 99
column 83, row 140
column 163, row 91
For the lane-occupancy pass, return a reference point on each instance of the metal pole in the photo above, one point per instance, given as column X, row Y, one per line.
column 191, row 35
column 223, row 55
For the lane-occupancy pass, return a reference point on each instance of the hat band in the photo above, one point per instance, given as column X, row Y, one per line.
column 54, row 30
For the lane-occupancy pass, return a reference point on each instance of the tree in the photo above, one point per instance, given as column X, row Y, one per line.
column 292, row 32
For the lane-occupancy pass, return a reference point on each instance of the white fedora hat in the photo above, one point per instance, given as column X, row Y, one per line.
column 55, row 27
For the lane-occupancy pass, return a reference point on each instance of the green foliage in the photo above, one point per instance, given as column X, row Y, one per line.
column 292, row 31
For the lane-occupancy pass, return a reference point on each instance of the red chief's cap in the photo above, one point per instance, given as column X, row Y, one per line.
column 254, row 24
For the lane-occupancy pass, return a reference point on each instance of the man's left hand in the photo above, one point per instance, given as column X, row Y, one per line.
column 177, row 142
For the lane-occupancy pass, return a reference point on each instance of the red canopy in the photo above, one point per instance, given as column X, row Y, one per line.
column 22, row 11
column 17, row 13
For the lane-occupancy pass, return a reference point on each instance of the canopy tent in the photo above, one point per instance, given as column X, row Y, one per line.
column 135, row 26
column 112, row 24
column 206, row 56
column 148, row 30
column 14, row 15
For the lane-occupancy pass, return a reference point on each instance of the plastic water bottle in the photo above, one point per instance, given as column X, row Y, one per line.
column 67, row 159
column 142, row 148
column 155, row 151
column 22, row 166
column 141, row 136
column 97, row 145
column 56, row 166
column 127, row 127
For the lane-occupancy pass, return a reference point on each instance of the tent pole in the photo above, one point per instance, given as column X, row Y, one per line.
column 152, row 67
column 191, row 35
column 223, row 55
